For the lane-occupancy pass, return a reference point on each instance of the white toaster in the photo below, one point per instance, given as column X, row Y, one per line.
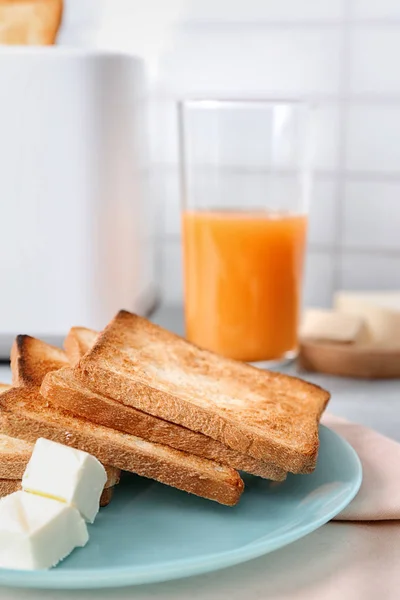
column 76, row 242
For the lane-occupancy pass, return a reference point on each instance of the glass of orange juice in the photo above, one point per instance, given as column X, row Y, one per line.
column 246, row 180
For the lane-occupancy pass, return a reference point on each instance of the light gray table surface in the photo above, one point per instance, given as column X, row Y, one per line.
column 372, row 403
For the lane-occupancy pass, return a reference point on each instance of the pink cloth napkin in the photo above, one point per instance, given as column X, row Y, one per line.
column 379, row 495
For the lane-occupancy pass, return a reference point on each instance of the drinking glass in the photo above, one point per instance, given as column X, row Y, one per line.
column 246, row 170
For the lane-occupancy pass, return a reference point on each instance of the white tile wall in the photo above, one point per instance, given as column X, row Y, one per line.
column 374, row 9
column 373, row 138
column 171, row 266
column 371, row 215
column 319, row 279
column 342, row 53
column 163, row 119
column 373, row 63
column 323, row 215
column 264, row 10
column 169, row 195
column 327, row 133
column 232, row 60
column 370, row 271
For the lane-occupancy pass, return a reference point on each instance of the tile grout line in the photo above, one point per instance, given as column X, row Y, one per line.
column 368, row 98
column 297, row 23
column 162, row 100
column 344, row 87
column 166, row 169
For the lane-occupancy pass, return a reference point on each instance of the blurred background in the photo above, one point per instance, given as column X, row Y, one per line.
column 340, row 53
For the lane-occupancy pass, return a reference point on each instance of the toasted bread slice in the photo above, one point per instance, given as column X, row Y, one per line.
column 79, row 341
column 31, row 360
column 270, row 416
column 30, row 22
column 9, row 486
column 15, row 454
column 106, row 496
column 67, row 392
column 113, row 476
column 63, row 389
column 25, row 413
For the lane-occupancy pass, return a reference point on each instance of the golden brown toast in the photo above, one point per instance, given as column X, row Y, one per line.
column 79, row 341
column 270, row 416
column 31, row 360
column 9, row 486
column 113, row 476
column 25, row 413
column 63, row 389
column 30, row 22
column 15, row 454
column 106, row 496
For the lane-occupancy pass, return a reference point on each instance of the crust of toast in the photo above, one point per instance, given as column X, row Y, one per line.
column 106, row 496
column 30, row 22
column 113, row 476
column 67, row 392
column 79, row 341
column 32, row 359
column 9, row 486
column 25, row 413
column 270, row 416
column 15, row 454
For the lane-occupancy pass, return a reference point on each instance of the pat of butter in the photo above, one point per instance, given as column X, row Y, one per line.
column 330, row 326
column 380, row 310
column 67, row 475
column 37, row 532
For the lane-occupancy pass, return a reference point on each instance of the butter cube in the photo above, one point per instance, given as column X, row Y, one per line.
column 67, row 475
column 331, row 326
column 37, row 532
column 380, row 310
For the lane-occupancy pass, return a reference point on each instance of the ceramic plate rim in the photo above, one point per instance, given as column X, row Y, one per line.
column 124, row 576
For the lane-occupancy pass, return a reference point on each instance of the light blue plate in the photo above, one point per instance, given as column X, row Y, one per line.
column 151, row 532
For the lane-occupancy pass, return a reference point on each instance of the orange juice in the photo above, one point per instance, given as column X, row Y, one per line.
column 243, row 276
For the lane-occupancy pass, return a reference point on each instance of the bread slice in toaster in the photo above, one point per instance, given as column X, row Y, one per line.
column 30, row 22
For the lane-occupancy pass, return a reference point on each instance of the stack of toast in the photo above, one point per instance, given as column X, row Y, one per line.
column 15, row 454
column 144, row 400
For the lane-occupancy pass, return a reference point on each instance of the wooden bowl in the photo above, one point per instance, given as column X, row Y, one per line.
column 368, row 361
